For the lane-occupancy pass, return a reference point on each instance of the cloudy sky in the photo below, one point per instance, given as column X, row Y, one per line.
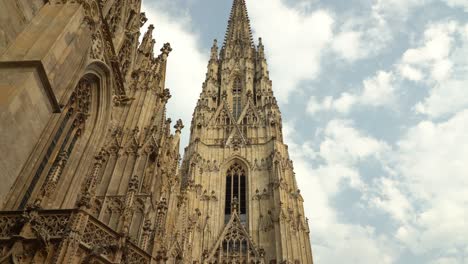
column 374, row 95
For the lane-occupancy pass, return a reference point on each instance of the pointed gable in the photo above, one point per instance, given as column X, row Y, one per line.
column 249, row 114
column 234, row 243
column 222, row 116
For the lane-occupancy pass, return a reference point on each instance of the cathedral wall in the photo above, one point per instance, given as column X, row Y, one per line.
column 275, row 211
column 14, row 16
column 57, row 38
column 24, row 113
column 38, row 73
column 93, row 137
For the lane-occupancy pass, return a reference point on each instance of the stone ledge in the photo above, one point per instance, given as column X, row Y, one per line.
column 39, row 67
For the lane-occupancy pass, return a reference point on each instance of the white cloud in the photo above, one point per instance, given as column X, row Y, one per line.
column 440, row 64
column 428, row 198
column 313, row 106
column 392, row 200
column 445, row 98
column 294, row 42
column 425, row 194
column 342, row 104
column 434, row 158
column 378, row 90
column 343, row 144
column 410, row 72
column 186, row 59
column 349, row 45
column 457, row 3
column 334, row 240
column 432, row 57
column 396, row 9
column 448, row 260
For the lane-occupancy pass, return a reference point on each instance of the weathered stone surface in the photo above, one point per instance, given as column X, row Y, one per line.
column 90, row 170
column 242, row 199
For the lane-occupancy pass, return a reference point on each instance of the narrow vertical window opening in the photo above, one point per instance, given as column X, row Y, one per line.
column 236, row 98
column 236, row 189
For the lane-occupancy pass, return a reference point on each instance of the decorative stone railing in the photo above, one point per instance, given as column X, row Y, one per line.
column 49, row 228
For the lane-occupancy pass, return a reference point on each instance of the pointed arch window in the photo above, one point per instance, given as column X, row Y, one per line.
column 236, row 98
column 236, row 191
column 62, row 144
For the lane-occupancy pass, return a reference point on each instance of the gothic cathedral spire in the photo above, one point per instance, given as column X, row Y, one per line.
column 239, row 33
column 240, row 199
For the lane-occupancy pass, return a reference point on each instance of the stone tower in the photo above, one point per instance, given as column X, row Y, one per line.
column 241, row 198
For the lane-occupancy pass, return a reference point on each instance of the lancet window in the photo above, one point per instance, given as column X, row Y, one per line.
column 236, row 98
column 236, row 191
column 63, row 142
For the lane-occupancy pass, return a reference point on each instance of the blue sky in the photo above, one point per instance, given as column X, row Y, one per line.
column 374, row 96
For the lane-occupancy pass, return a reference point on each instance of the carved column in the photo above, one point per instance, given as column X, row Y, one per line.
column 52, row 179
column 160, row 226
column 145, row 239
column 69, row 245
column 161, row 217
column 128, row 207
column 161, row 257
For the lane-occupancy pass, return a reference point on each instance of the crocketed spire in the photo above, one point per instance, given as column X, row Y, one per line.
column 214, row 51
column 239, row 25
column 147, row 43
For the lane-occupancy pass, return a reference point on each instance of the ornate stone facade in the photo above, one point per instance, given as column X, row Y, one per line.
column 240, row 192
column 90, row 171
column 91, row 174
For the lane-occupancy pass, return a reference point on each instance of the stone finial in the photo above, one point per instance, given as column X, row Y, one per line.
column 161, row 256
column 162, row 206
column 165, row 95
column 224, row 95
column 166, row 49
column 261, row 48
column 179, row 126
column 147, row 44
column 147, row 225
column 133, row 184
column 214, row 50
column 143, row 18
column 235, row 204
column 36, row 205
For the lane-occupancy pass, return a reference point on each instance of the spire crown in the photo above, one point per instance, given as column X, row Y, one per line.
column 148, row 42
column 238, row 29
column 214, row 50
column 261, row 48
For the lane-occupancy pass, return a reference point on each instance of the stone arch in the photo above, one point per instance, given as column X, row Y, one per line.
column 234, row 158
column 235, row 185
column 138, row 219
column 96, row 130
column 89, row 128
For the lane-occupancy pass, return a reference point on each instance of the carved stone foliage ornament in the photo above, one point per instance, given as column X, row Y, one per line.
column 209, row 196
column 97, row 48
